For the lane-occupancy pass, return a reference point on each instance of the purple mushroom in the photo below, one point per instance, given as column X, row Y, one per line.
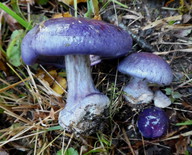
column 144, row 68
column 76, row 39
column 152, row 122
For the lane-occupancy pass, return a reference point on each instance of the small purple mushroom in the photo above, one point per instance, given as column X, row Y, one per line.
column 76, row 39
column 152, row 122
column 144, row 68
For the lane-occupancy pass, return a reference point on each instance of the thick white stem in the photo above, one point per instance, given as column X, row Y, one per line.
column 137, row 91
column 79, row 80
column 83, row 99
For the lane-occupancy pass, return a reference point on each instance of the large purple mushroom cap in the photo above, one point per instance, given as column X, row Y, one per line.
column 152, row 122
column 147, row 66
column 62, row 36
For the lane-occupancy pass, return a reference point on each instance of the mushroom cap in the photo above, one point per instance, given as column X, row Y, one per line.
column 63, row 36
column 152, row 122
column 147, row 66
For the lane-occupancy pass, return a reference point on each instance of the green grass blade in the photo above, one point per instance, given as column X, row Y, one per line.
column 16, row 17
column 53, row 128
column 189, row 122
column 120, row 4
column 15, row 7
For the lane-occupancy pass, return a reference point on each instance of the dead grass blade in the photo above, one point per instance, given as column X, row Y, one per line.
column 8, row 111
column 13, row 85
column 162, row 22
column 186, row 134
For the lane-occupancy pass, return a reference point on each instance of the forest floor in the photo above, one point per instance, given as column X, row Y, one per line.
column 30, row 99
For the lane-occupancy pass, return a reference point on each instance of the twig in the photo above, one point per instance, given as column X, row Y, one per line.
column 184, row 83
column 68, row 143
column 189, row 133
column 13, row 85
column 128, row 141
column 9, row 112
column 187, row 50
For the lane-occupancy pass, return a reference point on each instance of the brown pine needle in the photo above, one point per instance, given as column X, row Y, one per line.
column 9, row 112
column 13, row 85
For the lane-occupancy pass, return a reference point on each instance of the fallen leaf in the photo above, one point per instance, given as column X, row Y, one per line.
column 59, row 15
column 92, row 9
column 13, row 53
column 46, row 88
column 97, row 17
column 182, row 33
column 52, row 114
column 53, row 84
column 186, row 18
column 50, row 78
column 181, row 145
column 70, row 151
column 60, row 88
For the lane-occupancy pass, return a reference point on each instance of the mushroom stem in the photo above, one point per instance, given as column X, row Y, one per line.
column 161, row 100
column 80, row 83
column 84, row 101
column 137, row 91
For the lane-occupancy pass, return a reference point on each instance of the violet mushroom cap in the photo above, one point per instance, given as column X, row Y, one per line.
column 76, row 39
column 152, row 122
column 63, row 36
column 144, row 67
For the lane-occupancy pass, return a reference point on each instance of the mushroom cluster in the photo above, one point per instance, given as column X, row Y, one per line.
column 76, row 39
column 146, row 68
column 69, row 42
